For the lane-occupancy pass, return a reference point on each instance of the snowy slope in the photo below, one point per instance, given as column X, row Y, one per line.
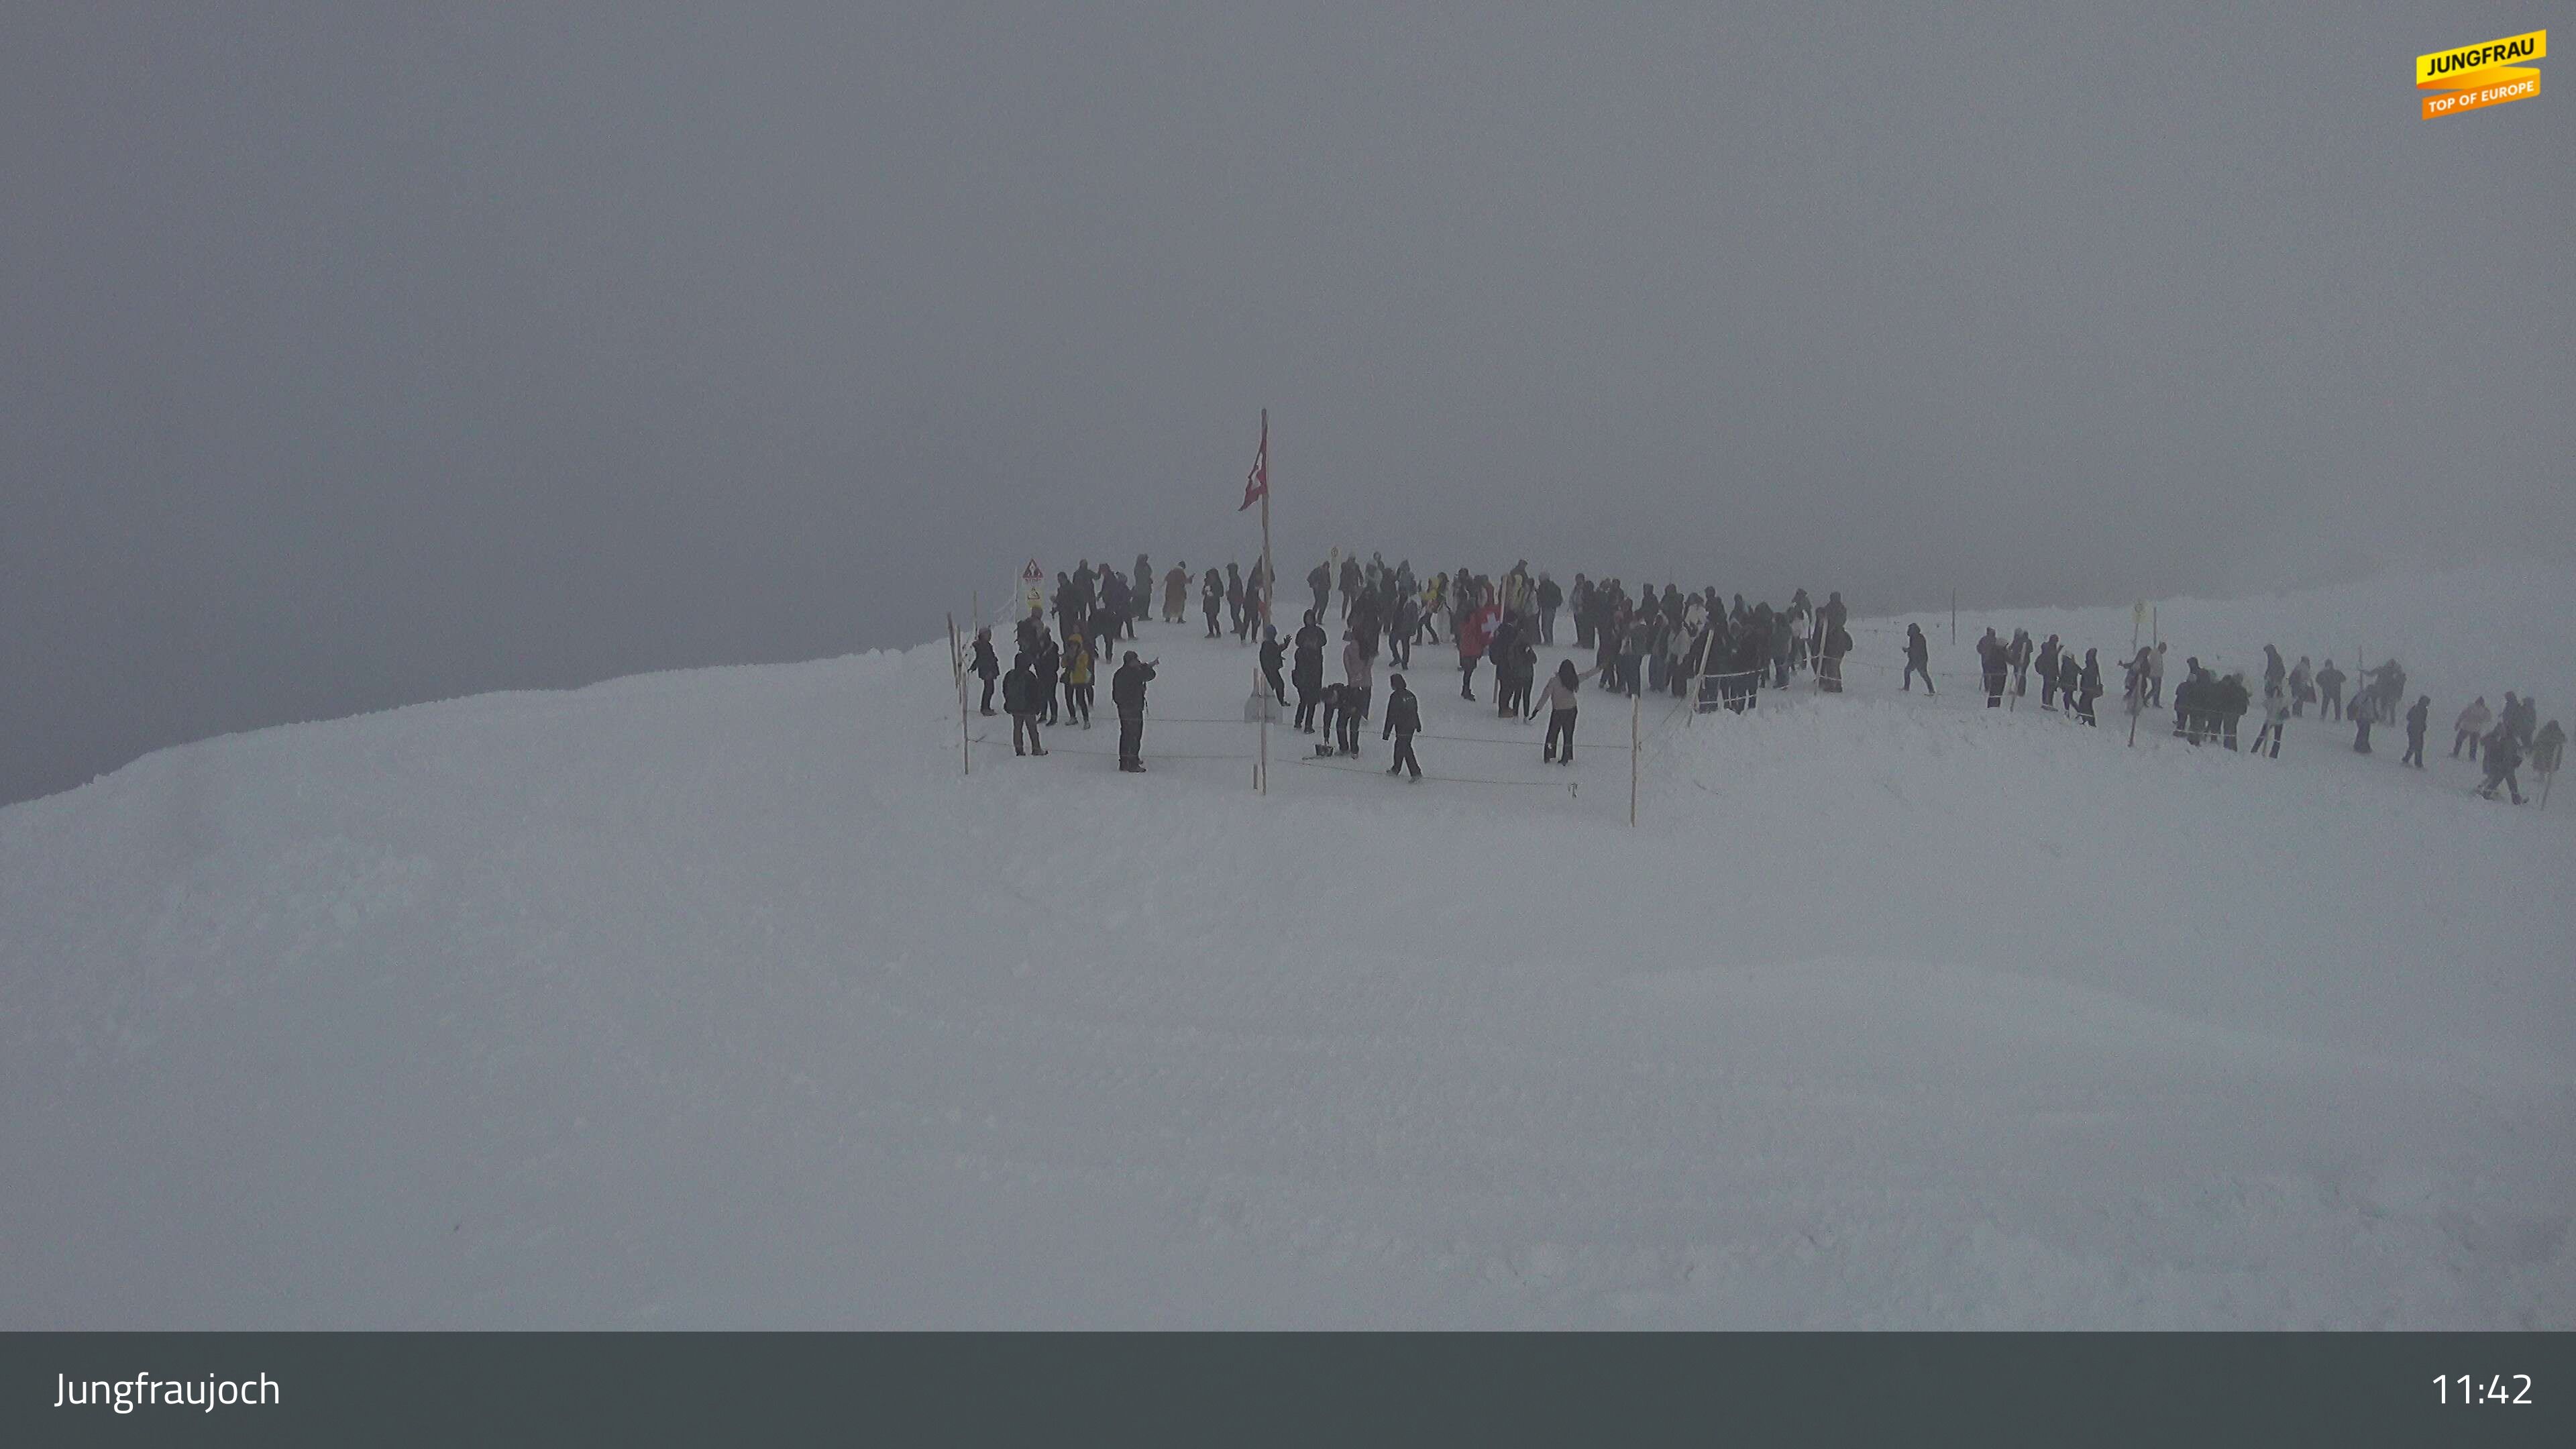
column 719, row 998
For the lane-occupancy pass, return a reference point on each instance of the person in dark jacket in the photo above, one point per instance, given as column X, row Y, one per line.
column 2330, row 691
column 1270, row 652
column 987, row 666
column 1127, row 692
column 1020, row 700
column 2089, row 687
column 1836, row 643
column 2233, row 700
column 2417, row 719
column 2047, row 661
column 1308, row 672
column 1994, row 662
column 1550, row 599
column 1046, row 666
column 1918, row 659
column 2504, row 753
column 2070, row 679
column 1335, row 704
column 1403, row 722
column 2360, row 727
column 1212, row 599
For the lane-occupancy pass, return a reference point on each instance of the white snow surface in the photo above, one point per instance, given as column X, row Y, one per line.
column 719, row 999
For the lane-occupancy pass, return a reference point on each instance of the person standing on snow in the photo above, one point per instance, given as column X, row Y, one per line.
column 2156, row 676
column 2470, row 726
column 1270, row 652
column 1019, row 699
column 1836, row 643
column 1994, row 661
column 1049, row 662
column 1562, row 697
column 1403, row 722
column 1140, row 599
column 1308, row 672
column 1359, row 680
column 2330, row 690
column 986, row 666
column 1472, row 628
column 2048, row 673
column 2417, row 720
column 2088, row 683
column 1127, row 692
column 1079, row 665
column 2548, row 746
column 2302, row 687
column 1550, row 599
column 1212, row 600
column 1918, row 659
column 2018, row 655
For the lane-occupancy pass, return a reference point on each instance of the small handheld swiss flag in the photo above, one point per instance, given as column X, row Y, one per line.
column 1256, row 486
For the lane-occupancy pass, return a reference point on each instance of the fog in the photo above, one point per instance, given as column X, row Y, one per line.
column 366, row 354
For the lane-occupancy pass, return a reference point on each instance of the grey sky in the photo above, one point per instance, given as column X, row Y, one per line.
column 364, row 354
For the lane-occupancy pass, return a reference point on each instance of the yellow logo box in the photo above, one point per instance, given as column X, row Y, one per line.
column 2456, row 69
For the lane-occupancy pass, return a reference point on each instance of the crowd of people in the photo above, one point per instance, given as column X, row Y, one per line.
column 1698, row 646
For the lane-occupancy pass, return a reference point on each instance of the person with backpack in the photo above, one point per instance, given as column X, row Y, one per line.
column 1019, row 699
column 1127, row 692
column 1403, row 722
column 986, row 667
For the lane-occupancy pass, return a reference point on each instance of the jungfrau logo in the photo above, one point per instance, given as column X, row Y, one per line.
column 2476, row 76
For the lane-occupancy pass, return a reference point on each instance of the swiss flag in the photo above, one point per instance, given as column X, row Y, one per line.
column 1256, row 486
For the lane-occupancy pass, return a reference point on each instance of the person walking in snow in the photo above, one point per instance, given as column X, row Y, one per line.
column 1995, row 663
column 2088, row 683
column 2018, row 654
column 1918, row 659
column 2470, row 726
column 1403, row 722
column 2276, row 712
column 2548, row 746
column 2417, row 720
column 2360, row 728
column 1019, row 698
column 2047, row 661
column 2302, row 687
column 2504, row 753
column 1127, row 692
column 986, row 667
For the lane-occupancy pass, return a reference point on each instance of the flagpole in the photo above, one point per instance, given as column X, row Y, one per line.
column 1261, row 781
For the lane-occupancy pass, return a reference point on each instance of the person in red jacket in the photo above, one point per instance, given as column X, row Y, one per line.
column 1474, row 629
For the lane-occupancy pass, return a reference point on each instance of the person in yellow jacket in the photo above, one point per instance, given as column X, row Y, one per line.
column 1077, row 679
